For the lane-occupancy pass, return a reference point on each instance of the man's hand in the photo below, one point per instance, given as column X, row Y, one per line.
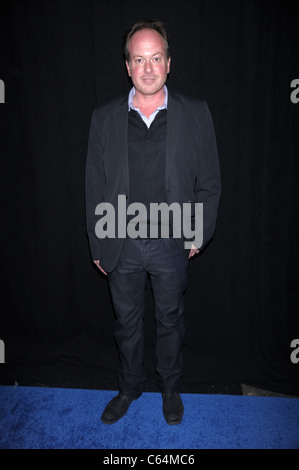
column 193, row 251
column 97, row 262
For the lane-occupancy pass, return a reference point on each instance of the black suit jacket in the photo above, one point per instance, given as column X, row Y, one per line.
column 192, row 168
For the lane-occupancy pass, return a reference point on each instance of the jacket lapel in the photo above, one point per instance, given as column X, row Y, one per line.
column 174, row 116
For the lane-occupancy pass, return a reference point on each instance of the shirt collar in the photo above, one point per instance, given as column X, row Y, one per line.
column 132, row 93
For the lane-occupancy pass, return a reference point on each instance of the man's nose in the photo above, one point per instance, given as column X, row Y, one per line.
column 148, row 66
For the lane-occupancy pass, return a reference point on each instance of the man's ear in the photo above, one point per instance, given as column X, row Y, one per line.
column 128, row 68
column 168, row 65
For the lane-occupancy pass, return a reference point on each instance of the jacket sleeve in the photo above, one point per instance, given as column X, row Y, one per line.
column 208, row 183
column 95, row 183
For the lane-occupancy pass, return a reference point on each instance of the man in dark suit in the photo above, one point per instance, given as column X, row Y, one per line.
column 151, row 147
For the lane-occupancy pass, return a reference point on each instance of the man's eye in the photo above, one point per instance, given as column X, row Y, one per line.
column 138, row 61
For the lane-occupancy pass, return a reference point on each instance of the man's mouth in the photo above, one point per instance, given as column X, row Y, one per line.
column 148, row 80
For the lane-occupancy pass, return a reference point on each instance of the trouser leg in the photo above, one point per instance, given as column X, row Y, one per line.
column 127, row 283
column 168, row 273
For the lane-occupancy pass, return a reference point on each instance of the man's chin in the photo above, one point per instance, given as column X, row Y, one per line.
column 149, row 90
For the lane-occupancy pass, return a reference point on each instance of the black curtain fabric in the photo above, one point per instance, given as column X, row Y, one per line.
column 59, row 59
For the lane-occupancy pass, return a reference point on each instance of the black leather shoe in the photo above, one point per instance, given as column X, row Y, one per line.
column 173, row 408
column 116, row 409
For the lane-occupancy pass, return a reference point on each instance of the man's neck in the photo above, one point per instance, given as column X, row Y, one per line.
column 148, row 103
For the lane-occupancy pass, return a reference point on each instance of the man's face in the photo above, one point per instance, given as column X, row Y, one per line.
column 148, row 66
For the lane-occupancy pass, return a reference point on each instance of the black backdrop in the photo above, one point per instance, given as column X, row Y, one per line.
column 61, row 58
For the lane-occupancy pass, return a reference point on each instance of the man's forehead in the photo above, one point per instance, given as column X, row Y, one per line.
column 145, row 38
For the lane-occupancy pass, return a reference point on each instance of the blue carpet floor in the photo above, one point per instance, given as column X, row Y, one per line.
column 56, row 418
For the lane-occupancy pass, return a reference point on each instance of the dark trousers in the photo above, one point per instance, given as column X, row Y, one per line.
column 162, row 260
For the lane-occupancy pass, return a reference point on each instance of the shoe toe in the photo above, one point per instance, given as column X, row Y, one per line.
column 116, row 409
column 173, row 408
